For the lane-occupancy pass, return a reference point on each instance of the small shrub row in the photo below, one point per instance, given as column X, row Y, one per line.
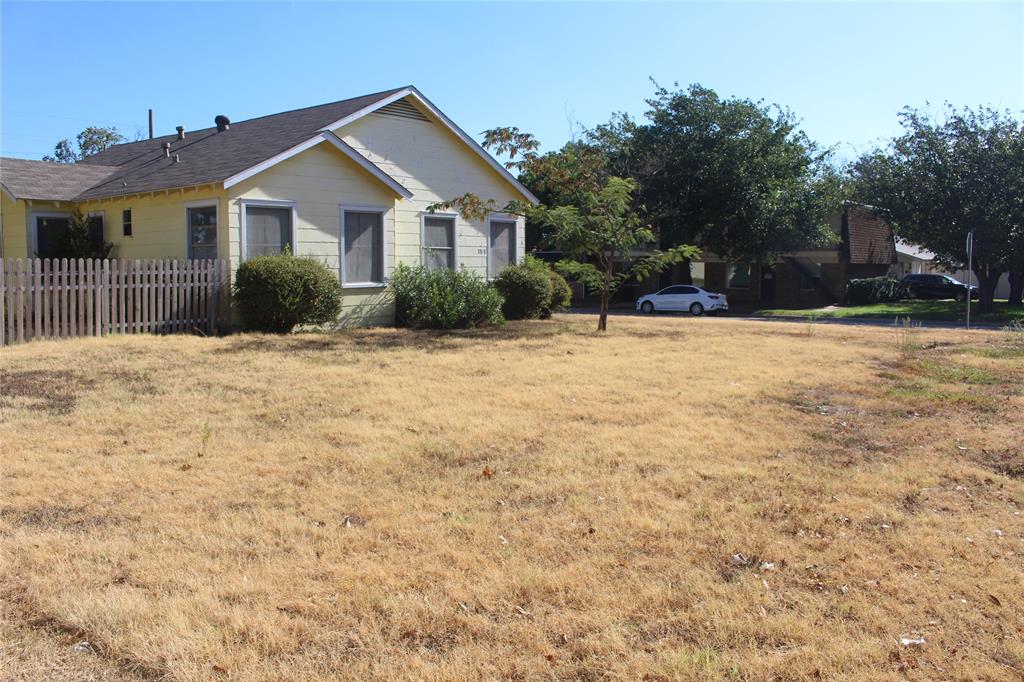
column 443, row 299
column 875, row 290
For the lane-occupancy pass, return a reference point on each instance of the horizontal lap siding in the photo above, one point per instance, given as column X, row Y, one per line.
column 434, row 165
column 158, row 222
column 14, row 238
column 320, row 181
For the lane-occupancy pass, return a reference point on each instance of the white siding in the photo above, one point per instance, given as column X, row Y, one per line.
column 434, row 165
column 321, row 181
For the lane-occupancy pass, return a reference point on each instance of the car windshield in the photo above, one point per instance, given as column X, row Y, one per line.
column 954, row 280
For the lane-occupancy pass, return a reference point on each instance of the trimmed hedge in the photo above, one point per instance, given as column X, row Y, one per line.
column 276, row 293
column 561, row 293
column 443, row 299
column 526, row 290
column 532, row 290
column 875, row 290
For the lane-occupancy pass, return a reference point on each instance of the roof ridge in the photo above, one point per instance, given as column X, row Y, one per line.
column 174, row 136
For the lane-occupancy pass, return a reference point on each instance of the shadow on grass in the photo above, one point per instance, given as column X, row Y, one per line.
column 390, row 338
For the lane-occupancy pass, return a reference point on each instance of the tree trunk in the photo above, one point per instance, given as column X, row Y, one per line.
column 1017, row 287
column 987, row 282
column 602, row 320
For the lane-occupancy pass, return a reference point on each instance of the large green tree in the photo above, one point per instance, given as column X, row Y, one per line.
column 733, row 176
column 92, row 140
column 941, row 180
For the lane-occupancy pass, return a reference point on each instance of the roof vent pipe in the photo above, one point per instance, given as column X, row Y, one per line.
column 167, row 150
column 223, row 123
column 176, row 159
column 181, row 132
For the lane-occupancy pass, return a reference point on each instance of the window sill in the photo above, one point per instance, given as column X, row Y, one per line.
column 363, row 285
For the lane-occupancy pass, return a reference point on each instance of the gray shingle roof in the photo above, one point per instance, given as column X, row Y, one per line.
column 27, row 179
column 205, row 156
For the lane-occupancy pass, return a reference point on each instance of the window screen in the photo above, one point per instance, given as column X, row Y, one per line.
column 202, row 232
column 503, row 245
column 439, row 243
column 364, row 247
column 738, row 275
column 268, row 230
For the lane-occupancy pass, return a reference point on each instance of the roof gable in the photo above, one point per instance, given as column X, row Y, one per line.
column 207, row 156
column 412, row 93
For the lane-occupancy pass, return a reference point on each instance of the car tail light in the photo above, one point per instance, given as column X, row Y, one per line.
column 714, row 297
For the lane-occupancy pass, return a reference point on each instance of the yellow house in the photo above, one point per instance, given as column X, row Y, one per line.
column 348, row 183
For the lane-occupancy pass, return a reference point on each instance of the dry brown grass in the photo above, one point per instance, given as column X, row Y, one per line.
column 535, row 502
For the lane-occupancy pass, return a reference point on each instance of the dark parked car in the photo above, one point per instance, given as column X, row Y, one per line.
column 938, row 287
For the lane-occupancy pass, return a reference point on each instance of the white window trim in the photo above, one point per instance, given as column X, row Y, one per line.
column 455, row 236
column 383, row 211
column 204, row 203
column 272, row 203
column 502, row 218
column 132, row 223
column 33, row 230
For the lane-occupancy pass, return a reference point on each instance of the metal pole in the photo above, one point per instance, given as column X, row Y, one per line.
column 970, row 274
column 151, row 124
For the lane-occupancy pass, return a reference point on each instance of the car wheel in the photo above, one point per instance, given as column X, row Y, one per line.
column 647, row 307
column 961, row 298
column 697, row 309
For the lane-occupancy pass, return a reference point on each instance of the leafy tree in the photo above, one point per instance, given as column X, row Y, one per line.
column 92, row 140
column 591, row 215
column 940, row 180
column 732, row 176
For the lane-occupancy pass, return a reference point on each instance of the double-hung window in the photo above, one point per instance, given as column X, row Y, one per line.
column 201, row 222
column 501, row 246
column 267, row 228
column 362, row 247
column 438, row 242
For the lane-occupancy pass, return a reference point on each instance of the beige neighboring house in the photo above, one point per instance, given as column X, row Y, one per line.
column 912, row 259
column 347, row 182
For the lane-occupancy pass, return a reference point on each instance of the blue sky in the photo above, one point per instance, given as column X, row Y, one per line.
column 844, row 68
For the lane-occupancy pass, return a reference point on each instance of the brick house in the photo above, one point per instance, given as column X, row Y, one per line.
column 865, row 247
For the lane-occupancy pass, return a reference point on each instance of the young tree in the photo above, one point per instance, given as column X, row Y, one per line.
column 92, row 140
column 732, row 176
column 84, row 238
column 591, row 215
column 939, row 181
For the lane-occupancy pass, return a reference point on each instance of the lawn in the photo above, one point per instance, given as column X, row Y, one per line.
column 916, row 310
column 684, row 498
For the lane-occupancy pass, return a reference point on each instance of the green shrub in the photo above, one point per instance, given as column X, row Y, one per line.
column 875, row 290
column 561, row 293
column 526, row 289
column 276, row 293
column 443, row 299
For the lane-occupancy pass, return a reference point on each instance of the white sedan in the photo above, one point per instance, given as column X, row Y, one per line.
column 681, row 297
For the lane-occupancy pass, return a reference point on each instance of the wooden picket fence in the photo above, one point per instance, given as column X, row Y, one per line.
column 45, row 298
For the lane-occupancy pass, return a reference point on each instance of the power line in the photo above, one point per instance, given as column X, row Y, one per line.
column 48, row 115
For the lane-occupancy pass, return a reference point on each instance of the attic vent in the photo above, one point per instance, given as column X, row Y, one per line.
column 402, row 109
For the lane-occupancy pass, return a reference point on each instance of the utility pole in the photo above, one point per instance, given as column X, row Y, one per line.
column 970, row 274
